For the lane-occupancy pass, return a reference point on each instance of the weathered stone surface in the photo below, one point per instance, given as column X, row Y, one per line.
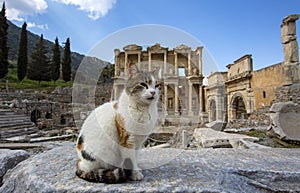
column 9, row 159
column 217, row 125
column 282, row 107
column 206, row 137
column 205, row 170
column 285, row 121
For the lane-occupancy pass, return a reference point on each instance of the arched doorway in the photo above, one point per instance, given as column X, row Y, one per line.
column 212, row 112
column 239, row 108
column 35, row 115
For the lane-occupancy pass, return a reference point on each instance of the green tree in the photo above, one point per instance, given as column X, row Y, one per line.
column 66, row 62
column 22, row 54
column 55, row 63
column 39, row 67
column 107, row 74
column 3, row 43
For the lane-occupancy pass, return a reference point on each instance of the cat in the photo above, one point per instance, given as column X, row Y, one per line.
column 112, row 134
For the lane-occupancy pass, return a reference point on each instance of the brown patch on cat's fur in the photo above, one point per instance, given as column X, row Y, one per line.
column 116, row 105
column 123, row 134
column 78, row 162
column 79, row 144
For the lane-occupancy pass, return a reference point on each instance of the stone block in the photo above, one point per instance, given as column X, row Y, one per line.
column 217, row 125
column 204, row 170
column 282, row 107
column 206, row 138
column 285, row 121
column 9, row 159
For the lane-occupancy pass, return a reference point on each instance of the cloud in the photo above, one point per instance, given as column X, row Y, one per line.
column 18, row 9
column 95, row 8
column 34, row 25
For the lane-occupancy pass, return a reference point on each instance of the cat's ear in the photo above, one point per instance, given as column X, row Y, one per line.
column 132, row 69
column 156, row 72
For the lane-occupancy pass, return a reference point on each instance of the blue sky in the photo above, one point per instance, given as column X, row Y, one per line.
column 228, row 29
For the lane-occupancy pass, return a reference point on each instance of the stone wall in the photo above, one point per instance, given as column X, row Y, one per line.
column 288, row 93
column 55, row 109
column 264, row 83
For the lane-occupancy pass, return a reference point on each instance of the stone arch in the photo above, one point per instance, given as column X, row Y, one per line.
column 238, row 107
column 35, row 115
column 212, row 110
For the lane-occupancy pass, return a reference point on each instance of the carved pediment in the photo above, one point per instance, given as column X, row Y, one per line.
column 132, row 47
column 156, row 47
column 182, row 47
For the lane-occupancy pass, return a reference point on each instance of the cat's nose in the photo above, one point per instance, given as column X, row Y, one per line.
column 152, row 92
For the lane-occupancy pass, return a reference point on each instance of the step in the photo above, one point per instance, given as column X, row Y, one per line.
column 6, row 113
column 20, row 132
column 4, row 122
column 17, row 123
column 17, row 126
column 13, row 131
column 15, row 116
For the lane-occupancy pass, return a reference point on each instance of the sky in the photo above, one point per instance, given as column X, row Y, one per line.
column 228, row 29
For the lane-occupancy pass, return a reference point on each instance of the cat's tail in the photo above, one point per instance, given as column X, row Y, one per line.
column 109, row 176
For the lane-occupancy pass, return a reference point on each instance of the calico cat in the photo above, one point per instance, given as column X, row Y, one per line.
column 113, row 133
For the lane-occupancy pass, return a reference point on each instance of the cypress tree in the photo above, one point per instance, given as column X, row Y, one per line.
column 55, row 63
column 22, row 54
column 3, row 43
column 66, row 62
column 39, row 67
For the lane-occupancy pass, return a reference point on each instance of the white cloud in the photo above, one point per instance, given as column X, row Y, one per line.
column 95, row 8
column 34, row 25
column 19, row 9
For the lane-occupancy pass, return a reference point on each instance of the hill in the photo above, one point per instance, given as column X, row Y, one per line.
column 14, row 39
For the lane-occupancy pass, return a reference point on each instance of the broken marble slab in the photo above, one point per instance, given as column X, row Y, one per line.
column 207, row 137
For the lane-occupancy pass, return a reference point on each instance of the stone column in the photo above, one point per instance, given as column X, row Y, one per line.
column 139, row 60
column 117, row 62
column 176, row 65
column 165, row 63
column 125, row 64
column 166, row 97
column 290, row 49
column 200, row 59
column 189, row 64
column 115, row 91
column 176, row 98
column 200, row 100
column 149, row 62
column 190, row 98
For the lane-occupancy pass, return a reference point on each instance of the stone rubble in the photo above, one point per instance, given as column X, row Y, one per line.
column 207, row 138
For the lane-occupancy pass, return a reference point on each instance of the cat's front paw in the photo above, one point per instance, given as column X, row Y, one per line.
column 136, row 176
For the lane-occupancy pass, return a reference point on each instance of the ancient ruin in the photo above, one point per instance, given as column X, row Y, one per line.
column 240, row 97
column 241, row 92
column 180, row 72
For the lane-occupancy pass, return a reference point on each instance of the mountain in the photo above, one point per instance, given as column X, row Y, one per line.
column 13, row 44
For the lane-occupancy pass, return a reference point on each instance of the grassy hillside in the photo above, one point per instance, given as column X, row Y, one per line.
column 14, row 39
column 13, row 44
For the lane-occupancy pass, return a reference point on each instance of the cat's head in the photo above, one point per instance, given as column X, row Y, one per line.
column 141, row 85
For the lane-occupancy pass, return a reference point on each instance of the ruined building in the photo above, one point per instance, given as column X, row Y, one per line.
column 231, row 95
column 179, row 70
column 241, row 91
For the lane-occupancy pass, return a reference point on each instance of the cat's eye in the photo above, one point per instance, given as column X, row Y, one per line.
column 157, row 85
column 144, row 85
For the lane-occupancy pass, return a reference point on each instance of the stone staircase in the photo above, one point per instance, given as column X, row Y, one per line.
column 15, row 126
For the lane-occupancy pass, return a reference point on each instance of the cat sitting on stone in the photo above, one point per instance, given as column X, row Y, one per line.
column 111, row 136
